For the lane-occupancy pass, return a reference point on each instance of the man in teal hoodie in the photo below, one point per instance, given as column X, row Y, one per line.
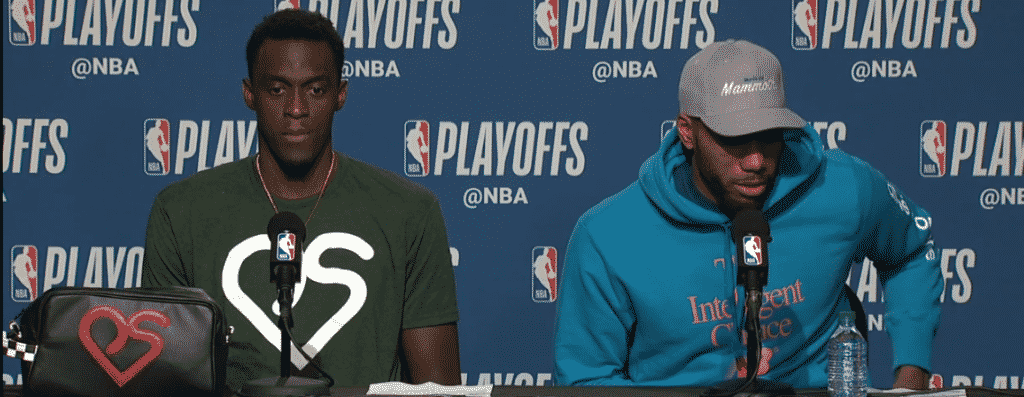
column 648, row 293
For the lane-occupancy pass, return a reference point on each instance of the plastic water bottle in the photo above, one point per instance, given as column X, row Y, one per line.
column 847, row 360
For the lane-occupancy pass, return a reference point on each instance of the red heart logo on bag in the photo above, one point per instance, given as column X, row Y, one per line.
column 125, row 329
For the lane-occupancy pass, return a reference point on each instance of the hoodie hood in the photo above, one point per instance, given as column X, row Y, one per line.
column 800, row 159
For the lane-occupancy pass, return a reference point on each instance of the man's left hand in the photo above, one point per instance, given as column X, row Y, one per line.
column 432, row 354
column 911, row 377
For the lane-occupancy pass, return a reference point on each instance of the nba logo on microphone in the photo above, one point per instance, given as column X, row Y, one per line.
column 286, row 246
column 157, row 146
column 545, row 274
column 933, row 148
column 417, row 148
column 752, row 249
column 21, row 22
column 24, row 273
column 805, row 24
column 545, row 28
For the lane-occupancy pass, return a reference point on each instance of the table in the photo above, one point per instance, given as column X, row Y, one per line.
column 557, row 391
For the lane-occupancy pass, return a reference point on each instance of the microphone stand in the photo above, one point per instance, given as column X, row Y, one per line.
column 285, row 385
column 751, row 385
column 752, row 274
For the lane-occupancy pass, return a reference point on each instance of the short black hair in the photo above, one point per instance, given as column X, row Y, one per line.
column 292, row 24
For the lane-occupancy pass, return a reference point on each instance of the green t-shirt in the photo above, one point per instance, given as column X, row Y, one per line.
column 376, row 261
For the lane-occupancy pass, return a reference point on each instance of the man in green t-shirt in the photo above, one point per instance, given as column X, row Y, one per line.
column 376, row 299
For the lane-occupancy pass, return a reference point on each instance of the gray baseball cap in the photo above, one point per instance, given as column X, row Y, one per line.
column 736, row 88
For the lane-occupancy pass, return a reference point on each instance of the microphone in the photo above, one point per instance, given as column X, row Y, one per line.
column 287, row 232
column 751, row 234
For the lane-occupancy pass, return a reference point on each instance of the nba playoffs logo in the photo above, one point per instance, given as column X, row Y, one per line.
column 287, row 4
column 545, row 274
column 805, row 24
column 933, row 148
column 21, row 23
column 752, row 249
column 545, row 31
column 417, row 148
column 157, row 150
column 24, row 273
column 286, row 246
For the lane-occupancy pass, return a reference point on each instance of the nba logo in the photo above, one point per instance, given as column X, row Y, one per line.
column 545, row 31
column 326, row 8
column 667, row 127
column 24, row 269
column 936, row 382
column 417, row 148
column 157, row 150
column 22, row 22
column 287, row 4
column 545, row 274
column 933, row 148
column 805, row 24
column 752, row 250
column 285, row 246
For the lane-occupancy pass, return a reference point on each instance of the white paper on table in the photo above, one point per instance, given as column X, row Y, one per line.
column 922, row 393
column 429, row 388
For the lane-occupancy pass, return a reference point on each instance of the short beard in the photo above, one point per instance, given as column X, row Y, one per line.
column 725, row 205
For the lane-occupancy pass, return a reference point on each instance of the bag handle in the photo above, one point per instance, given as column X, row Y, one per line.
column 15, row 348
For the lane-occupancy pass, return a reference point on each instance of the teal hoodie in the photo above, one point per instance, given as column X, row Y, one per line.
column 647, row 294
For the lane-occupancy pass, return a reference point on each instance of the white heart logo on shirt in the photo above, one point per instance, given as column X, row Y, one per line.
column 311, row 270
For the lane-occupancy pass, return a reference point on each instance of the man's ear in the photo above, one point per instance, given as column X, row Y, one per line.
column 686, row 125
column 342, row 95
column 247, row 94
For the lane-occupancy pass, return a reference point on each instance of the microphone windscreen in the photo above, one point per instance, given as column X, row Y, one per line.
column 750, row 221
column 286, row 221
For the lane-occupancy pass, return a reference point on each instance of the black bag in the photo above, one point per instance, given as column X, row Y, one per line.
column 121, row 342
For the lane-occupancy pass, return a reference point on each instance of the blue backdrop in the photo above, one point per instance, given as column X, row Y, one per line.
column 534, row 112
